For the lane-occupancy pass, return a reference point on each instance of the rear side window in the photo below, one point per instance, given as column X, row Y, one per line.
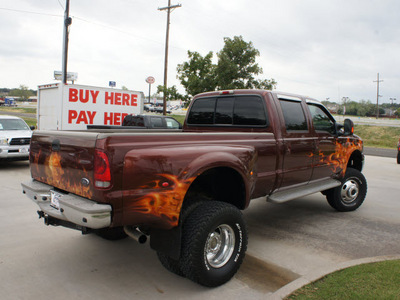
column 133, row 121
column 293, row 113
column 156, row 122
column 231, row 110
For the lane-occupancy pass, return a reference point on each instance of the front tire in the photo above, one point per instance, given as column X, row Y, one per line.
column 214, row 243
column 398, row 157
column 350, row 194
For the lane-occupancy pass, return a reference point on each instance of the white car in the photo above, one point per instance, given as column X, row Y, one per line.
column 15, row 138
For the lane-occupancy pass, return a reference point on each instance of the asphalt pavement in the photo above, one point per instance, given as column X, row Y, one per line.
column 289, row 245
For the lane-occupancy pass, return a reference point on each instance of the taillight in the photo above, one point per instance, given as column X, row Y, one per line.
column 102, row 172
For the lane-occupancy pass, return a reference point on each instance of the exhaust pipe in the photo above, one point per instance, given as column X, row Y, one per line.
column 134, row 233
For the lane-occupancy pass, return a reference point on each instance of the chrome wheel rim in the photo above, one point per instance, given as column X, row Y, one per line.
column 350, row 191
column 219, row 246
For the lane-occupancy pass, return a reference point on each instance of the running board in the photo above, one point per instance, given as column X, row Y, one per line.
column 305, row 190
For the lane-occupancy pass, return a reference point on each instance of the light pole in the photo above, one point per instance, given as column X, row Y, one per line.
column 391, row 99
column 168, row 9
column 344, row 99
column 67, row 23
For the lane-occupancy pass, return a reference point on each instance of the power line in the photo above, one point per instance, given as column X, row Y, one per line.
column 60, row 4
column 29, row 12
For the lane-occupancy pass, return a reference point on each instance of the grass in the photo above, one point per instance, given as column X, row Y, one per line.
column 370, row 281
column 30, row 121
column 179, row 118
column 378, row 136
column 25, row 110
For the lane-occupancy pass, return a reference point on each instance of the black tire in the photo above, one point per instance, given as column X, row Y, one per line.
column 211, row 226
column 398, row 157
column 112, row 234
column 170, row 264
column 350, row 194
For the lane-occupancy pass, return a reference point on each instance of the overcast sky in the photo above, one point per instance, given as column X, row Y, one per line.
column 323, row 49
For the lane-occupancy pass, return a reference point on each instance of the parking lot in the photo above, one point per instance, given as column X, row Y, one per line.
column 286, row 241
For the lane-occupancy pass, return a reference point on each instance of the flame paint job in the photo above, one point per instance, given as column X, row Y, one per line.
column 338, row 160
column 161, row 201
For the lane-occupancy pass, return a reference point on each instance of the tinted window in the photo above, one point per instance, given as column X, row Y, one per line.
column 133, row 121
column 224, row 110
column 234, row 110
column 156, row 122
column 202, row 111
column 249, row 110
column 321, row 120
column 294, row 115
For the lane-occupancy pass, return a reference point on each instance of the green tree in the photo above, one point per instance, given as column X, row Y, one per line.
column 22, row 92
column 237, row 67
column 198, row 74
column 171, row 93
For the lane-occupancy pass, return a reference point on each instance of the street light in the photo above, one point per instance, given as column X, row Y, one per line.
column 344, row 99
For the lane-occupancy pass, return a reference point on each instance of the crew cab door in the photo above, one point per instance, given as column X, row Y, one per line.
column 298, row 142
column 324, row 129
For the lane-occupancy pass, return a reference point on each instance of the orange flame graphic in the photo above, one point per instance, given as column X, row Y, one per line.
column 165, row 200
column 53, row 173
column 339, row 159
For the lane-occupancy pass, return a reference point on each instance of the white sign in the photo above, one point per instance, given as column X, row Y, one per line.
column 85, row 105
column 150, row 80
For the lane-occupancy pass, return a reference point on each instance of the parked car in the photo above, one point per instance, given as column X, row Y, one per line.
column 15, row 137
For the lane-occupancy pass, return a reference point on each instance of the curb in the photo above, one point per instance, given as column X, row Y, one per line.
column 322, row 272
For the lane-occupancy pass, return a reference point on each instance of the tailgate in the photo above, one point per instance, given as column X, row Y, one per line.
column 64, row 160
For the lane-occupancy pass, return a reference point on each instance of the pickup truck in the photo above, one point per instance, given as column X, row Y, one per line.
column 142, row 122
column 186, row 189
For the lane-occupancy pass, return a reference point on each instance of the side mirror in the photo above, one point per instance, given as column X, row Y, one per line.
column 348, row 127
column 32, row 127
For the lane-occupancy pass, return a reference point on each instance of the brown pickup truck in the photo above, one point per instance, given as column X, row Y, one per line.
column 186, row 188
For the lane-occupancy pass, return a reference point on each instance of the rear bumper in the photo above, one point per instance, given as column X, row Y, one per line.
column 72, row 208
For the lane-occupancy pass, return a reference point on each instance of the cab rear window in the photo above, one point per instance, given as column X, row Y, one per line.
column 229, row 110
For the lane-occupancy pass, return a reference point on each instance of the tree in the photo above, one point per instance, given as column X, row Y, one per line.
column 236, row 69
column 22, row 92
column 171, row 93
column 198, row 74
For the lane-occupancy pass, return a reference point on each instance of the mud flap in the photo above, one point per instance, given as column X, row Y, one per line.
column 167, row 242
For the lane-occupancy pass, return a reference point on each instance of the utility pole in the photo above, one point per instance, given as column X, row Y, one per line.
column 168, row 9
column 67, row 23
column 377, row 96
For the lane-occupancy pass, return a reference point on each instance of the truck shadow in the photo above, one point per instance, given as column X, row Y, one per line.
column 14, row 165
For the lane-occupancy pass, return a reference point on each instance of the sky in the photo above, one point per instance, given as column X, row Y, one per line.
column 322, row 49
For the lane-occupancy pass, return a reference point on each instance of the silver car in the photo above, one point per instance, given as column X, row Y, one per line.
column 15, row 138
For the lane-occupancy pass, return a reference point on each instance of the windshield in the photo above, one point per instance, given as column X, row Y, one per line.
column 13, row 124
